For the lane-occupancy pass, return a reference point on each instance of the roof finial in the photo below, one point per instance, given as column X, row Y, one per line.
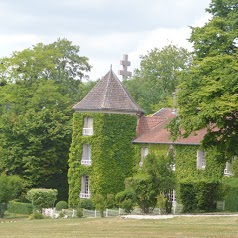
column 111, row 67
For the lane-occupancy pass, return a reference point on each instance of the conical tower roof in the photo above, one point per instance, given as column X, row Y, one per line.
column 109, row 96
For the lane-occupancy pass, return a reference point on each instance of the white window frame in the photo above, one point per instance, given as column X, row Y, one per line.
column 144, row 152
column 227, row 171
column 201, row 159
column 88, row 126
column 86, row 156
column 85, row 183
column 171, row 149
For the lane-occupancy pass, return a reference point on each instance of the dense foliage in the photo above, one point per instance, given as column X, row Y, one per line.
column 19, row 207
column 199, row 195
column 153, row 178
column 208, row 94
column 112, row 154
column 153, row 84
column 38, row 87
column 10, row 188
column 42, row 198
column 231, row 194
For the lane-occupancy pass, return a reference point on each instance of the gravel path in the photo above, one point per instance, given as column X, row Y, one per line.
column 172, row 216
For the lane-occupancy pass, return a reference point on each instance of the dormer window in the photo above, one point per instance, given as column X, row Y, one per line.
column 86, row 157
column 201, row 160
column 88, row 126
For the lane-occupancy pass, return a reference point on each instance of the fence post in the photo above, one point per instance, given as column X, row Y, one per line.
column 106, row 212
column 95, row 213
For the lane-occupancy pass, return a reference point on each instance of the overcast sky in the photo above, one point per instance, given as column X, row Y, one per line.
column 104, row 29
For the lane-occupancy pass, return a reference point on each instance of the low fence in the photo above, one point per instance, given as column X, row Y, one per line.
column 71, row 213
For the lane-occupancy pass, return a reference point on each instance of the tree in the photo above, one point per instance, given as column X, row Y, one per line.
column 154, row 178
column 42, row 198
column 10, row 188
column 58, row 61
column 208, row 93
column 157, row 78
column 38, row 88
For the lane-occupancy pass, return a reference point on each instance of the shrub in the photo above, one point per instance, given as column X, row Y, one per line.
column 10, row 188
column 188, row 196
column 3, row 208
column 79, row 212
column 19, row 207
column 126, row 200
column 36, row 215
column 199, row 195
column 86, row 204
column 42, row 198
column 61, row 205
column 100, row 203
column 231, row 194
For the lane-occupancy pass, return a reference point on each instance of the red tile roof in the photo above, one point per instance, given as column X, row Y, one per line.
column 151, row 130
column 109, row 96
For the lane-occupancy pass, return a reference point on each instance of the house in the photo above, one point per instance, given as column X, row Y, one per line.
column 111, row 136
column 190, row 160
column 101, row 153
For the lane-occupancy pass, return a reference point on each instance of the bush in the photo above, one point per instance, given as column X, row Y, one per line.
column 86, row 204
column 61, row 205
column 19, row 207
column 100, row 203
column 3, row 208
column 199, row 195
column 231, row 194
column 79, row 212
column 126, row 200
column 10, row 188
column 36, row 215
column 42, row 198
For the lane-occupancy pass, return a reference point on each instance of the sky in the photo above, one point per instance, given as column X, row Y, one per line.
column 104, row 29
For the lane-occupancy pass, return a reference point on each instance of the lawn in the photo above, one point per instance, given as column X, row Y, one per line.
column 120, row 227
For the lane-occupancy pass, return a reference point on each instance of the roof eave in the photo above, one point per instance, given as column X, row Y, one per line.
column 166, row 143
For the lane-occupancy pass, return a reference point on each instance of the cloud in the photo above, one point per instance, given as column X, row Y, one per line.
column 104, row 29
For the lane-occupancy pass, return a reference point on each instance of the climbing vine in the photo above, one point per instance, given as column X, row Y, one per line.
column 112, row 154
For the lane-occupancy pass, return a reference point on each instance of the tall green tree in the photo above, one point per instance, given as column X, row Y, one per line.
column 157, row 78
column 58, row 61
column 208, row 94
column 38, row 88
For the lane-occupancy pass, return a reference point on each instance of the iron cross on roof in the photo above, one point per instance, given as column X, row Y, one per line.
column 125, row 63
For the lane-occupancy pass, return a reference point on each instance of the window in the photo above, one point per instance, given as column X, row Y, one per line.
column 88, row 126
column 171, row 155
column 85, row 187
column 86, row 157
column 144, row 153
column 227, row 171
column 201, row 160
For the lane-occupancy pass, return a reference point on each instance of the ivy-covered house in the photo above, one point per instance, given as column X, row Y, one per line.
column 101, row 153
column 191, row 163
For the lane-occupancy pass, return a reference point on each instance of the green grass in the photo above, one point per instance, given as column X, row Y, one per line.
column 190, row 227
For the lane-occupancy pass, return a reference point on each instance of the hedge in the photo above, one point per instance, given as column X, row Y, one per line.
column 199, row 195
column 231, row 194
column 19, row 207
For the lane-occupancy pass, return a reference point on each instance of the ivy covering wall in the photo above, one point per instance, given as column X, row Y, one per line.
column 112, row 154
column 187, row 173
